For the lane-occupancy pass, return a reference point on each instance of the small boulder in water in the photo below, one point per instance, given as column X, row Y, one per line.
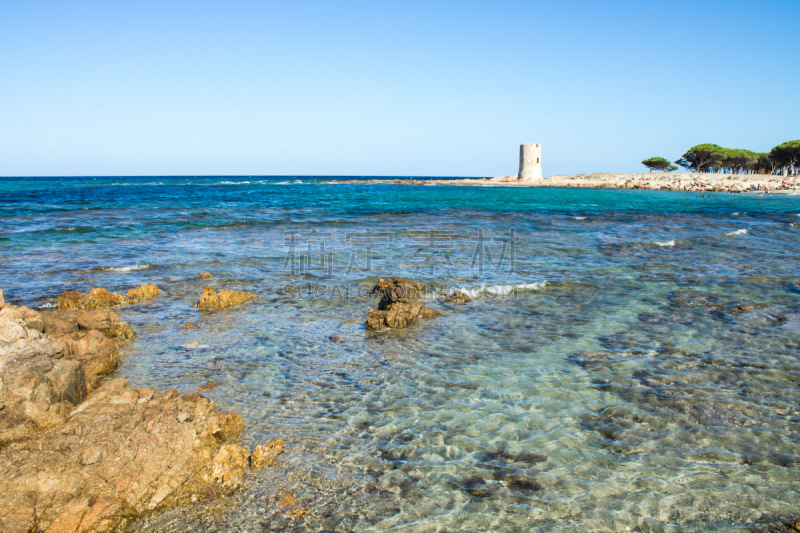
column 145, row 292
column 205, row 275
column 399, row 306
column 99, row 298
column 458, row 298
column 211, row 299
column 264, row 456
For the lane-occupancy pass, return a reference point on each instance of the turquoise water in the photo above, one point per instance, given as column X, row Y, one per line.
column 603, row 378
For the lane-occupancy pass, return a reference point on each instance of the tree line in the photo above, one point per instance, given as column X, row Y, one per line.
column 784, row 160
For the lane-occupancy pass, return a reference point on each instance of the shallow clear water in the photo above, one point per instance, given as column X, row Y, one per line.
column 617, row 388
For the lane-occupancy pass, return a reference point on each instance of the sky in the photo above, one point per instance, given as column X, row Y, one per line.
column 387, row 88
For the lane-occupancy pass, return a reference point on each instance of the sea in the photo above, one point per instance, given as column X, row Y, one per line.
column 629, row 359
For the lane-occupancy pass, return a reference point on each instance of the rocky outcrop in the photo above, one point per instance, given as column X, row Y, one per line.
column 458, row 298
column 210, row 299
column 74, row 323
column 264, row 456
column 121, row 454
column 99, row 298
column 399, row 306
column 49, row 362
column 79, row 457
column 205, row 275
column 144, row 292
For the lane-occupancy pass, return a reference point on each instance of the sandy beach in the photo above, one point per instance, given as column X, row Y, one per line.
column 738, row 183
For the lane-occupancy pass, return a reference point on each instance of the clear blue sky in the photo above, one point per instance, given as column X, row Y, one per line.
column 388, row 88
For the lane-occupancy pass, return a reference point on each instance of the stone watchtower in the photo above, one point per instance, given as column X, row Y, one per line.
column 530, row 162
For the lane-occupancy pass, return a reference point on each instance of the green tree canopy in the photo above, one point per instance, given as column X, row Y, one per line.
column 786, row 156
column 715, row 158
column 659, row 163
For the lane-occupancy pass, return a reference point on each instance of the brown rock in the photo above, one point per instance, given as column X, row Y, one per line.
column 69, row 321
column 122, row 453
column 2, row 298
column 205, row 275
column 58, row 327
column 211, row 300
column 145, row 292
column 287, row 500
column 208, row 386
column 228, row 467
column 264, row 456
column 190, row 325
column 97, row 355
column 43, row 377
column 458, row 298
column 399, row 306
column 97, row 298
column 395, row 290
column 399, row 315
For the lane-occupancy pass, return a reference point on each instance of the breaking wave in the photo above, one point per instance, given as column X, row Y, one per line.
column 501, row 289
column 668, row 243
column 128, row 268
column 737, row 232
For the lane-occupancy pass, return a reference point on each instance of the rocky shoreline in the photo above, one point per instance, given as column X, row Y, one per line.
column 80, row 456
column 733, row 183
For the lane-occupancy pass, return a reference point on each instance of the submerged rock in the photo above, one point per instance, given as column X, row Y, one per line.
column 99, row 298
column 458, row 298
column 205, row 275
column 399, row 306
column 210, row 299
column 123, row 453
column 264, row 456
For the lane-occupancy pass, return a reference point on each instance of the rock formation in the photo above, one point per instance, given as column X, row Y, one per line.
column 50, row 362
column 264, row 456
column 205, row 275
column 99, row 298
column 79, row 457
column 122, row 453
column 210, row 299
column 458, row 298
column 399, row 306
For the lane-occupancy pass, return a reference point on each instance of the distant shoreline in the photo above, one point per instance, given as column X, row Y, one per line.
column 734, row 183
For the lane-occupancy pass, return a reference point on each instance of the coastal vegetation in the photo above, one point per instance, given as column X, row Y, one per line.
column 659, row 163
column 781, row 160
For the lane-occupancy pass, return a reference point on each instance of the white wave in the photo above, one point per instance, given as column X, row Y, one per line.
column 668, row 243
column 233, row 182
column 126, row 184
column 737, row 232
column 298, row 181
column 48, row 305
column 129, row 268
column 579, row 218
column 71, row 228
column 195, row 346
column 501, row 289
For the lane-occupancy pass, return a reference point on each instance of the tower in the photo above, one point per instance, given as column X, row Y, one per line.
column 530, row 162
